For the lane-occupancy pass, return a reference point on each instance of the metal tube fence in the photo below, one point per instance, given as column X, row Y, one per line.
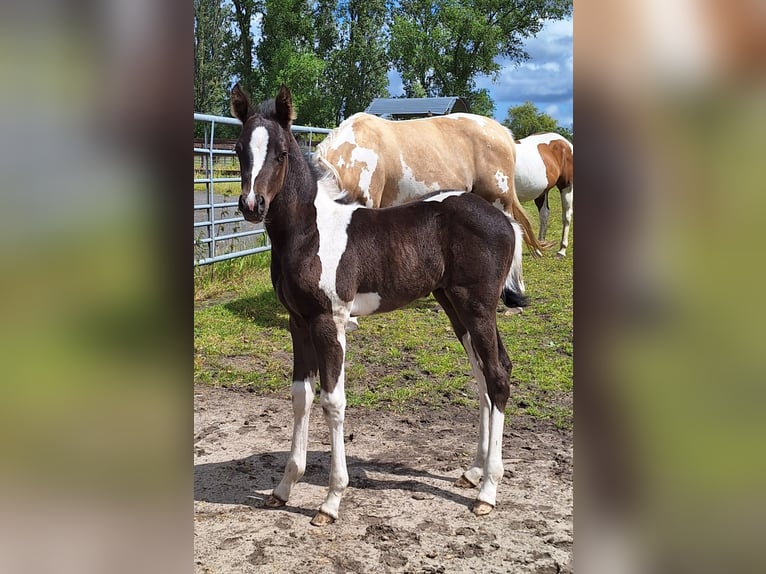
column 219, row 233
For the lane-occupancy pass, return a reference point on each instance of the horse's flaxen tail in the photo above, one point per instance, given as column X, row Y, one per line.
column 513, row 290
column 535, row 245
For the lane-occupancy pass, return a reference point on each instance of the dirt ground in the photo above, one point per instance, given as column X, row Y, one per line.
column 401, row 512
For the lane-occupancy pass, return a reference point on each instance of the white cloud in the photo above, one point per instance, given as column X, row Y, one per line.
column 545, row 79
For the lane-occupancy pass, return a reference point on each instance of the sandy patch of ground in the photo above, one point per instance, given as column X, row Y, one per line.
column 401, row 512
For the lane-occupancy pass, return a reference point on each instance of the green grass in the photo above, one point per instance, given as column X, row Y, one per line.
column 394, row 359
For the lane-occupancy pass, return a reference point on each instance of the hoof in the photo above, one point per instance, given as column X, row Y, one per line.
column 322, row 519
column 274, row 502
column 560, row 255
column 463, row 482
column 513, row 311
column 481, row 508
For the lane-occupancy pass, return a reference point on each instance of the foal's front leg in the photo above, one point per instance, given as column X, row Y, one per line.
column 304, row 370
column 329, row 336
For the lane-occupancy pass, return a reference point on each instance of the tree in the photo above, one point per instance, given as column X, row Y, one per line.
column 358, row 66
column 244, row 11
column 526, row 119
column 212, row 48
column 288, row 54
column 444, row 45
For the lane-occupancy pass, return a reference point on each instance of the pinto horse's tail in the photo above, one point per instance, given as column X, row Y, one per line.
column 513, row 290
column 535, row 245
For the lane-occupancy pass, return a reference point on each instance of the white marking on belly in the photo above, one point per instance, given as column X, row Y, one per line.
column 444, row 195
column 365, row 304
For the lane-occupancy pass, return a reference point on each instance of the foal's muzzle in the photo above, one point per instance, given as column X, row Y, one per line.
column 255, row 210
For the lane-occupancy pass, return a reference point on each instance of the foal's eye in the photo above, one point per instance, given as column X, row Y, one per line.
column 281, row 156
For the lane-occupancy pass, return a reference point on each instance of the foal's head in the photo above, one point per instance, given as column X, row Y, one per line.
column 262, row 149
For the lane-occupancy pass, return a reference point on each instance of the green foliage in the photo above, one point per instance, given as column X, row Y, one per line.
column 358, row 67
column 335, row 54
column 212, row 49
column 526, row 119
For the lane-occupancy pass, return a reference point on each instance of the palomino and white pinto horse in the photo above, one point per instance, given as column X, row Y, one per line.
column 380, row 163
column 544, row 161
column 331, row 260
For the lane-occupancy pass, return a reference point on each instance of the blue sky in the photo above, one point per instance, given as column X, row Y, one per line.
column 545, row 79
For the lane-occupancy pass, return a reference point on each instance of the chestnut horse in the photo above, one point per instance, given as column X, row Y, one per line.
column 331, row 260
column 545, row 161
column 380, row 163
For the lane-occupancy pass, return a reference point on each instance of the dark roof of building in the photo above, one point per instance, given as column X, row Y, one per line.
column 394, row 107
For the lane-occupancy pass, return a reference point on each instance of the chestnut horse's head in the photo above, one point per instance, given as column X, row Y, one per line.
column 262, row 149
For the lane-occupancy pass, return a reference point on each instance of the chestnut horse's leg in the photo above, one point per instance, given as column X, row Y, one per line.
column 304, row 369
column 541, row 201
column 566, row 218
column 329, row 336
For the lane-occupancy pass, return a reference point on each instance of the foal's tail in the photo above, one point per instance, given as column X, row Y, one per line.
column 513, row 290
column 535, row 245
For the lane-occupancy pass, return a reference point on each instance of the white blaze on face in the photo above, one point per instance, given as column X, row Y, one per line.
column 259, row 144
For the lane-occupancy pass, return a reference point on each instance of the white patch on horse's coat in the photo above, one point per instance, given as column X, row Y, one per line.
column 408, row 187
column 302, row 396
column 332, row 222
column 531, row 176
column 368, row 157
column 341, row 136
column 502, row 181
column 474, row 118
column 444, row 195
column 494, row 462
column 365, row 304
column 334, row 408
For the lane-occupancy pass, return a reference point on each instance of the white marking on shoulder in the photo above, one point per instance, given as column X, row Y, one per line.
column 332, row 223
column 444, row 195
column 365, row 304
column 502, row 181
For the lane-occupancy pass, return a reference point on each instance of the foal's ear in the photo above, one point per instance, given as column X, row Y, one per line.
column 284, row 105
column 241, row 108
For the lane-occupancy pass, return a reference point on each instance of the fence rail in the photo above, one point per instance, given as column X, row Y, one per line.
column 219, row 233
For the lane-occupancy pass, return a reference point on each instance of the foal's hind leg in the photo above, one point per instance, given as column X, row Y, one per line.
column 478, row 319
column 471, row 477
column 304, row 369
